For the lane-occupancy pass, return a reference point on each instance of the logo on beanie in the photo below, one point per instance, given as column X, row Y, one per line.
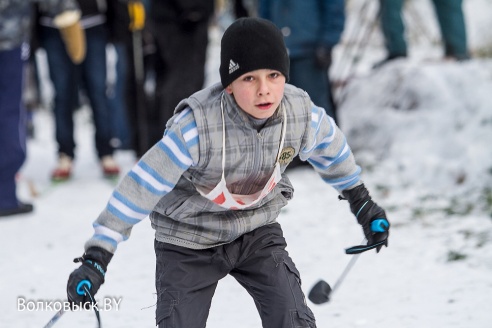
column 233, row 66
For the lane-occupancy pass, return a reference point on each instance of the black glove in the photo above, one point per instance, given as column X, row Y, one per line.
column 89, row 275
column 323, row 57
column 370, row 216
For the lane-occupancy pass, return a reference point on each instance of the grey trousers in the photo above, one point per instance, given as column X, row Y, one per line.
column 186, row 280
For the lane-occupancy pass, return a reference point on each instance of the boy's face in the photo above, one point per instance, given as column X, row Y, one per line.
column 259, row 92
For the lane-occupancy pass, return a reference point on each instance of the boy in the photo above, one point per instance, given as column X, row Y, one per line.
column 214, row 186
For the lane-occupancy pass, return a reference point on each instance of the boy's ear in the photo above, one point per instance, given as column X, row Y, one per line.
column 228, row 89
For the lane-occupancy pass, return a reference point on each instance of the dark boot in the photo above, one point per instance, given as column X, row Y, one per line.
column 22, row 208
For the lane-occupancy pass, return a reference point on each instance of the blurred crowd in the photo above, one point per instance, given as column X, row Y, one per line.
column 160, row 50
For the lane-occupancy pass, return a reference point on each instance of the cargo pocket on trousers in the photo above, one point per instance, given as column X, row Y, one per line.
column 302, row 316
column 166, row 302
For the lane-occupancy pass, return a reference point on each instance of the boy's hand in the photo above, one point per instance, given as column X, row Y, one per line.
column 90, row 276
column 370, row 216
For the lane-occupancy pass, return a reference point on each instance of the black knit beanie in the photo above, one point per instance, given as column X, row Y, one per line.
column 249, row 44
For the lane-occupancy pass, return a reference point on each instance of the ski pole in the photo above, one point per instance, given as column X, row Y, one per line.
column 82, row 289
column 321, row 291
column 55, row 318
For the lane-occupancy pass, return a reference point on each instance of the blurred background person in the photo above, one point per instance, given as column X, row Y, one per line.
column 180, row 32
column 68, row 78
column 15, row 24
column 451, row 22
column 126, row 21
column 311, row 29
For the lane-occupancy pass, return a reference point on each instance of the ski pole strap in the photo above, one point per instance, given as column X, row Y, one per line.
column 362, row 248
column 84, row 286
column 96, row 310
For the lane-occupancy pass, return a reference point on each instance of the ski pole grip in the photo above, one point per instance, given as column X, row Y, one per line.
column 379, row 225
column 81, row 284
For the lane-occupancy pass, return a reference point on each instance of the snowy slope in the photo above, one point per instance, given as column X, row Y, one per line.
column 421, row 129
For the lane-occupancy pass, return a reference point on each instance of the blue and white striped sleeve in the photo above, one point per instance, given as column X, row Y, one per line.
column 328, row 152
column 155, row 175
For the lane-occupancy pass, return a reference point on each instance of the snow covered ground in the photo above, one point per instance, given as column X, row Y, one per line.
column 421, row 129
